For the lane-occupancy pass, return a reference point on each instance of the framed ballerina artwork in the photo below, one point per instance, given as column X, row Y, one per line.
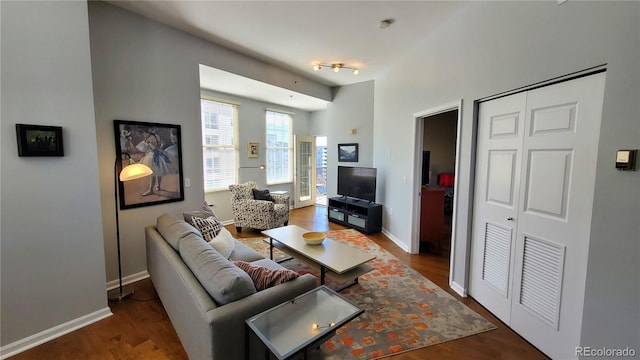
column 159, row 147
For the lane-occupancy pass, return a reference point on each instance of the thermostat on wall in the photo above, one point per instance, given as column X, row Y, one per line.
column 626, row 159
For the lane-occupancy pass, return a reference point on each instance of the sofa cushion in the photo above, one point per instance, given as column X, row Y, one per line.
column 209, row 227
column 224, row 243
column 224, row 281
column 174, row 229
column 264, row 277
column 204, row 212
column 242, row 251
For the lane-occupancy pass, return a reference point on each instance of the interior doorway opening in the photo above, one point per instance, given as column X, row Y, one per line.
column 321, row 170
column 438, row 171
column 426, row 138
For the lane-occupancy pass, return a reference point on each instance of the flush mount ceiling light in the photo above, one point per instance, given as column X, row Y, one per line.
column 336, row 67
column 384, row 24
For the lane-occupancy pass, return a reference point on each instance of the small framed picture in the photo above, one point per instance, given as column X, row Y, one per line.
column 39, row 140
column 348, row 152
column 252, row 150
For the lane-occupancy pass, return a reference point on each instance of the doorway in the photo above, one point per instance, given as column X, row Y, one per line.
column 437, row 166
column 437, row 178
column 321, row 170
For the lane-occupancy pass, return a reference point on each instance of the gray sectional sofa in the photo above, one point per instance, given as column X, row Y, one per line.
column 209, row 329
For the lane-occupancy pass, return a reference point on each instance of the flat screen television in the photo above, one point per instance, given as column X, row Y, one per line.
column 357, row 182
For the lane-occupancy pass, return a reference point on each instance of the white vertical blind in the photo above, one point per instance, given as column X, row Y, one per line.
column 279, row 147
column 219, row 144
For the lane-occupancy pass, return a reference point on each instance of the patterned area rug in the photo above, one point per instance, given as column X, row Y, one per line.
column 403, row 310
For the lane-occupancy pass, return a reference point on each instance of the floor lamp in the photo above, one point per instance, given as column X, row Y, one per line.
column 128, row 173
column 261, row 167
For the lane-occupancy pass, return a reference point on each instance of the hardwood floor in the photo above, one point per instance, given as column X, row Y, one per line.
column 140, row 328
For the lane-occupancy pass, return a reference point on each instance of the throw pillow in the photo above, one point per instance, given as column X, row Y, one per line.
column 223, row 281
column 224, row 243
column 209, row 227
column 262, row 195
column 204, row 212
column 263, row 277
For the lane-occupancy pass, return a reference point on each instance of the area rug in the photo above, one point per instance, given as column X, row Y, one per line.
column 404, row 310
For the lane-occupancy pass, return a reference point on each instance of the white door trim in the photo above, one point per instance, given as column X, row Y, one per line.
column 417, row 163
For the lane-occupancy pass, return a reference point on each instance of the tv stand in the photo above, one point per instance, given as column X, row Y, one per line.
column 359, row 214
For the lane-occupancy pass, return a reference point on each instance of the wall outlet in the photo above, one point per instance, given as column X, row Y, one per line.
column 187, row 182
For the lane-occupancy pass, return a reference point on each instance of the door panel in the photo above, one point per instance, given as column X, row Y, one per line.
column 496, row 202
column 563, row 123
column 305, row 171
column 541, row 180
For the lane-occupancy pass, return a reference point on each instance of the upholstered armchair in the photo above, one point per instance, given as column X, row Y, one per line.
column 257, row 214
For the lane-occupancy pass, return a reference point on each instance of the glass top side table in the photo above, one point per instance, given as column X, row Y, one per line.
column 301, row 323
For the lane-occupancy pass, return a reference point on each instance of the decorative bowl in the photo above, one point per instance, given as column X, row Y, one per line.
column 313, row 238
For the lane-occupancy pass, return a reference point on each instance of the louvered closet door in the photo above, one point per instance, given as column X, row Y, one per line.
column 551, row 218
column 498, row 162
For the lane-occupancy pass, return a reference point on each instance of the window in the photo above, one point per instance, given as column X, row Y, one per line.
column 279, row 147
column 219, row 144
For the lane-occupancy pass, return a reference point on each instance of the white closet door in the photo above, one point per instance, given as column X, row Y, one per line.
column 562, row 129
column 496, row 202
column 532, row 210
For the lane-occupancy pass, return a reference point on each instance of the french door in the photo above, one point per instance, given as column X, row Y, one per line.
column 535, row 176
column 305, row 171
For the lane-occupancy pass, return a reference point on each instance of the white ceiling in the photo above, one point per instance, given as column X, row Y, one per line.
column 294, row 35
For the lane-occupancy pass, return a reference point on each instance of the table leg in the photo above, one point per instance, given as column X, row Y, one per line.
column 270, row 248
column 340, row 288
column 321, row 275
column 246, row 342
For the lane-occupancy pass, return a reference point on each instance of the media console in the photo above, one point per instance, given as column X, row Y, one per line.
column 358, row 214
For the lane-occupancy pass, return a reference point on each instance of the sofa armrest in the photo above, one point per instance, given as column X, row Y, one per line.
column 228, row 321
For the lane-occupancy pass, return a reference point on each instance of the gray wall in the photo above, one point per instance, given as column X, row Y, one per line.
column 491, row 47
column 352, row 108
column 52, row 254
column 144, row 71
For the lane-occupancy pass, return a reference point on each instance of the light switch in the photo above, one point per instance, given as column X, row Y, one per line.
column 187, row 182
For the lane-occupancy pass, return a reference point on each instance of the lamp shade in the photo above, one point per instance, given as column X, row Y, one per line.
column 135, row 171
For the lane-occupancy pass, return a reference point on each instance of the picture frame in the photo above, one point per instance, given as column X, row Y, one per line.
column 39, row 140
column 253, row 150
column 348, row 152
column 158, row 146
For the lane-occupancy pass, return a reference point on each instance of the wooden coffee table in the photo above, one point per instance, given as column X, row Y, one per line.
column 341, row 262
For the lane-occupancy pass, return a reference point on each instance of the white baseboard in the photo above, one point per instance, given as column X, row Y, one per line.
column 396, row 241
column 52, row 333
column 128, row 280
column 458, row 289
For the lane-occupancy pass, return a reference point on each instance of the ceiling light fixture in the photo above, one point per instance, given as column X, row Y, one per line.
column 384, row 24
column 336, row 67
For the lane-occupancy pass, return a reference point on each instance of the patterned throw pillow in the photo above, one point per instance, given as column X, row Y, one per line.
column 263, row 277
column 209, row 227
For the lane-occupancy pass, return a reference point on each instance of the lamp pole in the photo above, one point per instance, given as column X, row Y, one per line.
column 132, row 172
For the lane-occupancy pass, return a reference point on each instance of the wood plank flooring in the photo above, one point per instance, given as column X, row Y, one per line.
column 140, row 328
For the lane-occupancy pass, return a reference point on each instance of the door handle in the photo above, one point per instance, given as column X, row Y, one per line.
column 510, row 218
